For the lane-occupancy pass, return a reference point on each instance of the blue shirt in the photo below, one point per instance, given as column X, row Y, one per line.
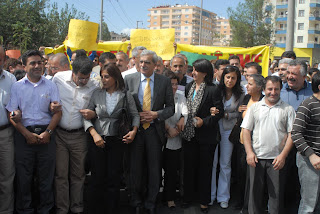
column 6, row 81
column 142, row 86
column 33, row 99
column 294, row 98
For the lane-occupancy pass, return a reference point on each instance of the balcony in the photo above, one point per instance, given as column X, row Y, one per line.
column 313, row 30
column 313, row 44
column 282, row 5
column 281, row 31
column 314, row 3
column 280, row 45
column 281, row 18
column 314, row 18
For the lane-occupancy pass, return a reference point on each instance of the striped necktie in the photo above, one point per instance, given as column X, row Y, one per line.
column 147, row 101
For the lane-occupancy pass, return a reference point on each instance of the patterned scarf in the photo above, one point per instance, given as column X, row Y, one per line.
column 193, row 104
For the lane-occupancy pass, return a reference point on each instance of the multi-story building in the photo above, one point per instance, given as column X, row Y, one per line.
column 306, row 24
column 222, row 32
column 185, row 20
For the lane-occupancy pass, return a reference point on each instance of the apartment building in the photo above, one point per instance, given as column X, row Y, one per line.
column 306, row 24
column 222, row 32
column 185, row 20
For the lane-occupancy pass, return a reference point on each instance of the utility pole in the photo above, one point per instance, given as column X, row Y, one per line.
column 290, row 26
column 138, row 24
column 101, row 20
column 200, row 33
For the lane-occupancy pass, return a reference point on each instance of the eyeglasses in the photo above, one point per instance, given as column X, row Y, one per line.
column 33, row 63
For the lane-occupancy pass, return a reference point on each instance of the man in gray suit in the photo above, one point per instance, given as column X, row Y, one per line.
column 153, row 96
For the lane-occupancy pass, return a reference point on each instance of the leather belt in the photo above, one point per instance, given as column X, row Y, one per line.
column 71, row 130
column 4, row 126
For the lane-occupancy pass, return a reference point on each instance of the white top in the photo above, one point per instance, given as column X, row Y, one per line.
column 73, row 98
column 130, row 71
column 6, row 81
column 270, row 126
column 111, row 101
column 180, row 104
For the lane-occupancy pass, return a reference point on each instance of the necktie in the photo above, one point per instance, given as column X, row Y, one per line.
column 147, row 101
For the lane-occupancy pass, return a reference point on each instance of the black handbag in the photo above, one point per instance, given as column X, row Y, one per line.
column 234, row 136
column 125, row 120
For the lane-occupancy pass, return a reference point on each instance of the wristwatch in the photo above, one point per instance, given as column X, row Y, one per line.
column 49, row 131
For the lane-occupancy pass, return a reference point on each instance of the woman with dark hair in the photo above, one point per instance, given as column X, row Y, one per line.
column 200, row 133
column 107, row 153
column 232, row 94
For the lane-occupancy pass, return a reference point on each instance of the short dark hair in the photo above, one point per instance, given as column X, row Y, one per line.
column 289, row 54
column 273, row 79
column 221, row 62
column 115, row 73
column 315, row 83
column 11, row 62
column 234, row 57
column 80, row 52
column 83, row 65
column 312, row 70
column 28, row 54
column 204, row 66
column 190, row 69
column 19, row 74
column 171, row 75
column 106, row 55
column 255, row 65
column 237, row 89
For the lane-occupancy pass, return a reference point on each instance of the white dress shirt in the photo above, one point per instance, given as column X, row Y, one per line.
column 6, row 81
column 73, row 98
column 130, row 71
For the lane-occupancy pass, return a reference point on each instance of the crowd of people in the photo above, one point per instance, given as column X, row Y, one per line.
column 202, row 128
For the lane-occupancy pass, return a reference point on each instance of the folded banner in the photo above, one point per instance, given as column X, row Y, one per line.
column 193, row 57
column 82, row 35
column 160, row 41
column 259, row 54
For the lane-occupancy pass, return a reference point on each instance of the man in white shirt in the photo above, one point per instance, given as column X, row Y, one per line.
column 270, row 122
column 76, row 88
column 136, row 57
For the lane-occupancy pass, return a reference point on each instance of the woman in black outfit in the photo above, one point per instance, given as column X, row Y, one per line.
column 200, row 133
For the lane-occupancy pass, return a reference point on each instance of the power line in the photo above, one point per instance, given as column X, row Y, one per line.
column 125, row 14
column 119, row 15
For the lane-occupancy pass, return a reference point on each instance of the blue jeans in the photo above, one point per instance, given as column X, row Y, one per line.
column 310, row 183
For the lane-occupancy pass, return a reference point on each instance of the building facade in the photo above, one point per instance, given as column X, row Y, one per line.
column 185, row 20
column 222, row 32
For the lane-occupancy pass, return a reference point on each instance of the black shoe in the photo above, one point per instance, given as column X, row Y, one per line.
column 151, row 211
column 204, row 210
column 172, row 208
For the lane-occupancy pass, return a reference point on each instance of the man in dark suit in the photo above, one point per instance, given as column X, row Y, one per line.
column 153, row 96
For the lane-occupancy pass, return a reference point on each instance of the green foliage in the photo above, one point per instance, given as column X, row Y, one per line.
column 105, row 32
column 28, row 24
column 248, row 24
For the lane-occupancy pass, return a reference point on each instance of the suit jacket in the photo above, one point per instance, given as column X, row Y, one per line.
column 106, row 124
column 162, row 102
column 207, row 133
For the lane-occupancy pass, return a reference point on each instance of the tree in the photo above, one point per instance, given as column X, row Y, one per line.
column 248, row 24
column 105, row 32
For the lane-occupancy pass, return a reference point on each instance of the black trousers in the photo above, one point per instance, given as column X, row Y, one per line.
column 145, row 150
column 171, row 166
column 104, row 186
column 39, row 157
column 198, row 160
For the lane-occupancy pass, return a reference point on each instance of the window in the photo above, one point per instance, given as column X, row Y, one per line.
column 165, row 17
column 178, row 34
column 155, row 11
column 187, row 16
column 186, row 33
column 225, row 27
column 185, row 39
column 177, row 40
column 316, row 26
column 186, row 28
column 280, row 39
column 186, row 22
column 154, row 23
column 165, row 23
column 301, row 13
column 301, row 1
column 316, row 39
column 300, row 39
column 224, row 31
column 300, row 26
column 187, row 10
column 155, row 17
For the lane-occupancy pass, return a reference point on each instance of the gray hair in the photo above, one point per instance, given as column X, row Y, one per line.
column 63, row 59
column 124, row 54
column 160, row 59
column 303, row 66
column 285, row 61
column 135, row 51
column 259, row 80
column 149, row 52
column 180, row 56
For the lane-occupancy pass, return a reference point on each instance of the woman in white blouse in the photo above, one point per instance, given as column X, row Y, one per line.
column 107, row 153
column 172, row 151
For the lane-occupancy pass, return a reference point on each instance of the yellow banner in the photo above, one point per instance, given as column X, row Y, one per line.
column 259, row 54
column 160, row 41
column 82, row 35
